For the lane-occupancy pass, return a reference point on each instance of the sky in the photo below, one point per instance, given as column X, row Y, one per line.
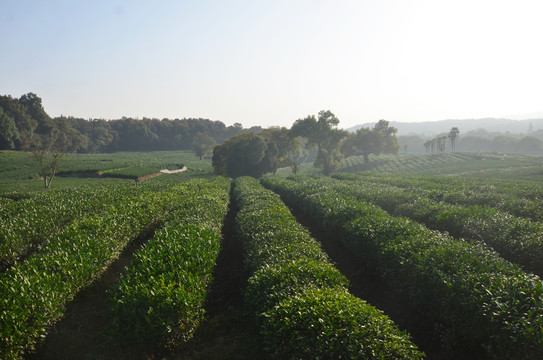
column 269, row 63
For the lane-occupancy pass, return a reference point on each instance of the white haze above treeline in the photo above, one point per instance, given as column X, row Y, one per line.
column 490, row 125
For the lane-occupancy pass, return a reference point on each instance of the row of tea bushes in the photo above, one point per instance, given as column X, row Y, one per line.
column 477, row 300
column 161, row 296
column 300, row 298
column 517, row 239
column 519, row 199
column 33, row 293
column 28, row 224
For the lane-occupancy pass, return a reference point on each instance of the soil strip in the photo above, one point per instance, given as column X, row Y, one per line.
column 366, row 284
column 227, row 331
column 83, row 332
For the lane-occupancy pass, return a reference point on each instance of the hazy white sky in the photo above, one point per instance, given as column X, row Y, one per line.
column 271, row 62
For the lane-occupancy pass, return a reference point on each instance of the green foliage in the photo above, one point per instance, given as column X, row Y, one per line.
column 476, row 299
column 161, row 296
column 516, row 239
column 28, row 224
column 273, row 283
column 246, row 154
column 466, row 165
column 333, row 324
column 300, row 299
column 379, row 140
column 9, row 135
column 203, row 145
column 18, row 172
column 97, row 135
column 323, row 134
column 34, row 293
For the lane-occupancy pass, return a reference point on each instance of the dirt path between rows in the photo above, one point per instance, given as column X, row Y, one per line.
column 83, row 332
column 227, row 331
column 366, row 284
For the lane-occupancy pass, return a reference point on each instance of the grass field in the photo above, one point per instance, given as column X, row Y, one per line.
column 18, row 172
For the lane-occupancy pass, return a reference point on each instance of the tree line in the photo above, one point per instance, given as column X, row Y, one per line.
column 437, row 145
column 24, row 125
column 23, row 120
column 480, row 140
column 255, row 154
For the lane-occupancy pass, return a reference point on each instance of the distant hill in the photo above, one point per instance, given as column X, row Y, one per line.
column 431, row 128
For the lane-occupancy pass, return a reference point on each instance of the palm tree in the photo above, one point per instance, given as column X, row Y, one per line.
column 452, row 136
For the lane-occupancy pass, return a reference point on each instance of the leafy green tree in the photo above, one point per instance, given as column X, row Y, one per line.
column 23, row 121
column 388, row 143
column 203, row 145
column 295, row 155
column 9, row 135
column 48, row 149
column 33, row 105
column 246, row 154
column 280, row 139
column 323, row 134
column 381, row 139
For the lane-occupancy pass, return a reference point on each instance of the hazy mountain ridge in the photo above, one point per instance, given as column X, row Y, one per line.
column 432, row 128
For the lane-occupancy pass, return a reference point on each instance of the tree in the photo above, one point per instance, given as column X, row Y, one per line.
column 427, row 145
column 453, row 134
column 381, row 139
column 16, row 111
column 386, row 138
column 441, row 143
column 295, row 155
column 529, row 145
column 33, row 105
column 246, row 154
column 9, row 135
column 47, row 155
column 48, row 149
column 323, row 134
column 203, row 145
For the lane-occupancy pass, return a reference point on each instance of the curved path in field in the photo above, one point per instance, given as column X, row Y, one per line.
column 166, row 171
column 163, row 171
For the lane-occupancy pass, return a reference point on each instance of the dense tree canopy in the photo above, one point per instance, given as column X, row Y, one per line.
column 9, row 134
column 16, row 121
column 322, row 133
column 245, row 154
column 21, row 119
column 203, row 145
column 381, row 139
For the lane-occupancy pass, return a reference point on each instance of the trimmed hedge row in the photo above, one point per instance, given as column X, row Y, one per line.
column 33, row 293
column 519, row 199
column 299, row 297
column 477, row 300
column 26, row 225
column 161, row 296
column 516, row 239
